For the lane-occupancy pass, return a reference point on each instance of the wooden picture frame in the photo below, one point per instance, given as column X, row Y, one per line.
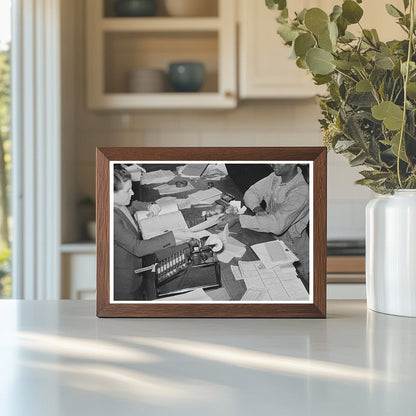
column 310, row 159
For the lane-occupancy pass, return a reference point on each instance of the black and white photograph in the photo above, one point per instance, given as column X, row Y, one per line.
column 211, row 232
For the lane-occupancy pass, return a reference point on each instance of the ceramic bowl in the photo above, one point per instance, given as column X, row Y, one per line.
column 147, row 80
column 135, row 8
column 186, row 76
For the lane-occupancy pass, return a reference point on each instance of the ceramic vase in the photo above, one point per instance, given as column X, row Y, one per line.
column 391, row 253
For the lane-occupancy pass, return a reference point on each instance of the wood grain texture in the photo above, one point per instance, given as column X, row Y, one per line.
column 346, row 264
column 317, row 309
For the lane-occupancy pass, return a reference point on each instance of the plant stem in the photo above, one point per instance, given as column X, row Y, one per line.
column 406, row 79
column 346, row 75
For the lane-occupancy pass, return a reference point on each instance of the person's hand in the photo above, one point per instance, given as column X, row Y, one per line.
column 154, row 209
column 229, row 219
column 261, row 214
column 259, row 211
column 183, row 235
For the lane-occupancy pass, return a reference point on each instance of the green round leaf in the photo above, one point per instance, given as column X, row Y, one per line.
column 384, row 62
column 358, row 61
column 276, row 4
column 301, row 63
column 344, row 65
column 411, row 90
column 325, row 42
column 394, row 143
column 287, row 33
column 363, row 86
column 391, row 114
column 351, row 11
column 316, row 20
column 303, row 43
column 333, row 32
column 336, row 12
column 319, row 61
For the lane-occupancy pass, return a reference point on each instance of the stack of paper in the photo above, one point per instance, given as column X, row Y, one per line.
column 269, row 284
column 208, row 196
column 274, row 253
column 161, row 224
column 193, row 170
column 173, row 189
column 158, row 176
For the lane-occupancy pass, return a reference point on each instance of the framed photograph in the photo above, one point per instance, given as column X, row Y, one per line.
column 211, row 232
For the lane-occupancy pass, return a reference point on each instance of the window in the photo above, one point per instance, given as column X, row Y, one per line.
column 5, row 147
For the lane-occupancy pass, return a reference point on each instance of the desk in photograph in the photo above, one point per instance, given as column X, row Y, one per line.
column 235, row 288
column 57, row 358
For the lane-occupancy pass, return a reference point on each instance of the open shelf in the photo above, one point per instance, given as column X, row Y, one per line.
column 209, row 9
column 118, row 45
column 127, row 51
column 160, row 24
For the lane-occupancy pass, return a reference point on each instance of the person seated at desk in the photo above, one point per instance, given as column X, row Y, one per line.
column 129, row 246
column 286, row 194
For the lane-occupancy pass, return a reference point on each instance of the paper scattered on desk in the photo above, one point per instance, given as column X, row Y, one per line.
column 236, row 272
column 192, row 170
column 278, row 292
column 294, row 289
column 214, row 174
column 254, row 294
column 167, row 204
column 207, row 196
column 225, row 256
column 202, row 233
column 232, row 247
column 278, row 283
column 184, row 203
column 173, row 189
column 274, row 253
column 161, row 224
column 208, row 223
column 158, row 176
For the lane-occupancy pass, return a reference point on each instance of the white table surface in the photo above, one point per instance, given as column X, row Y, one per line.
column 57, row 358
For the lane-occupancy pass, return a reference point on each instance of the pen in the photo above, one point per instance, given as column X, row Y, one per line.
column 205, row 168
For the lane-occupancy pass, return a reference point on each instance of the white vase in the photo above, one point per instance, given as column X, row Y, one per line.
column 391, row 253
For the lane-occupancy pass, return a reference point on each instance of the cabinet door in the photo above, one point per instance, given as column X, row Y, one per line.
column 265, row 68
column 78, row 276
column 266, row 71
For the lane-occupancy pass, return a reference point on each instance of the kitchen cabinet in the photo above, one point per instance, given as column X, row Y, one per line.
column 78, row 263
column 265, row 70
column 118, row 45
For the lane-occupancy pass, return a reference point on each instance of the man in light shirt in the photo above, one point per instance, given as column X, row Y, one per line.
column 286, row 195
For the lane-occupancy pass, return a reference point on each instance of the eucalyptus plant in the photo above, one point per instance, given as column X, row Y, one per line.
column 369, row 111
